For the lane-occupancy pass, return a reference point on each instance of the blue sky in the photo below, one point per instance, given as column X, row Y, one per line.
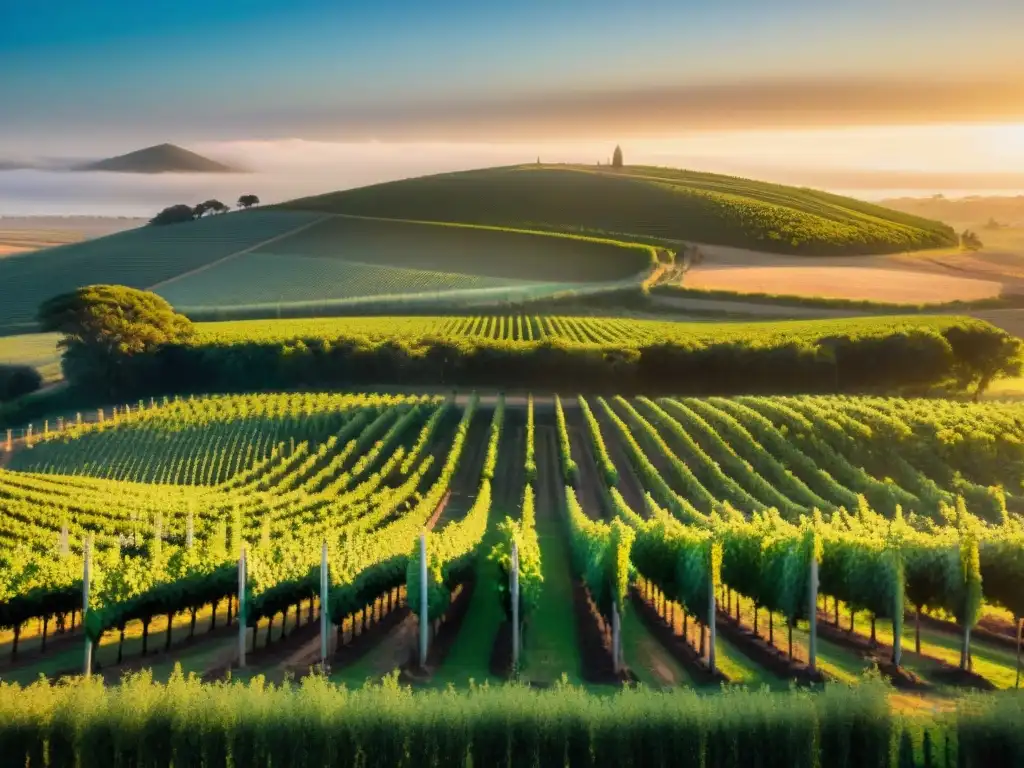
column 76, row 76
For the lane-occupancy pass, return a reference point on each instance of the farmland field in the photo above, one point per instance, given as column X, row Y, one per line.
column 139, row 258
column 609, row 354
column 21, row 234
column 662, row 205
column 568, row 330
column 169, row 492
column 256, row 262
column 859, row 283
column 265, row 278
column 640, row 510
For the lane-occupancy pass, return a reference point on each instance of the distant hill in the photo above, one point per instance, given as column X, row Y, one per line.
column 646, row 203
column 163, row 158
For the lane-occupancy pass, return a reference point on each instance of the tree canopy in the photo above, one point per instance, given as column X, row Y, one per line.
column 18, row 380
column 970, row 241
column 180, row 213
column 617, row 157
column 104, row 325
column 248, row 201
column 209, row 206
column 174, row 214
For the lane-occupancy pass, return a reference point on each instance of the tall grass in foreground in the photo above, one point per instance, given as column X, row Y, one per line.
column 188, row 723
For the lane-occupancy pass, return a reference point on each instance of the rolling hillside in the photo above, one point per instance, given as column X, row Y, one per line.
column 269, row 263
column 140, row 258
column 646, row 202
column 163, row 158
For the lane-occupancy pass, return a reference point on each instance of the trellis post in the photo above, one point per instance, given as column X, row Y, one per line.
column 514, row 575
column 424, row 616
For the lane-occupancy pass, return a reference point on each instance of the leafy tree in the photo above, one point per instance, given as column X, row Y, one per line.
column 18, row 380
column 209, row 206
column 174, row 214
column 984, row 356
column 215, row 206
column 248, row 201
column 970, row 241
column 617, row 157
column 103, row 327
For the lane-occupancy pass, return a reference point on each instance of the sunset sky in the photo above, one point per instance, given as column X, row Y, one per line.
column 112, row 75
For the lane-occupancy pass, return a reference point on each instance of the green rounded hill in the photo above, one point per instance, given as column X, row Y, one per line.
column 645, row 203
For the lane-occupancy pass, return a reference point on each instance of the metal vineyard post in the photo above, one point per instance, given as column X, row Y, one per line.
column 515, row 605
column 424, row 617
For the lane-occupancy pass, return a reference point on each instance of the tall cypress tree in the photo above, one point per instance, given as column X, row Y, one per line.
column 617, row 157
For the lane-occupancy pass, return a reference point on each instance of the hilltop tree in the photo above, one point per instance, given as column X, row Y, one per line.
column 209, row 206
column 617, row 157
column 970, row 241
column 174, row 214
column 248, row 201
column 103, row 327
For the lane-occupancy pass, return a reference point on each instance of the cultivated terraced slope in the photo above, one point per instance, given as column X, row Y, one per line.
column 267, row 263
column 139, row 258
column 648, row 202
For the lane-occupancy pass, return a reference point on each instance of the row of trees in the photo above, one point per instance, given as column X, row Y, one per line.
column 120, row 342
column 176, row 214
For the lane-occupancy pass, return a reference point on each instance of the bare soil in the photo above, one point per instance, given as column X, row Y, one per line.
column 876, row 284
column 444, row 637
column 762, row 653
column 676, row 645
column 882, row 655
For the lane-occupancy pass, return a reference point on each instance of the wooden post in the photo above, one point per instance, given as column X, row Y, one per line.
column 712, row 633
column 424, row 615
column 616, row 640
column 897, row 637
column 85, row 602
column 812, row 643
column 514, row 589
column 1020, row 626
column 241, row 609
column 323, row 608
column 965, row 650
column 10, row 441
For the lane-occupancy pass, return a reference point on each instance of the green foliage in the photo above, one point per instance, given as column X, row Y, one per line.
column 969, row 609
column 102, row 326
column 913, row 354
column 173, row 214
column 604, row 462
column 494, row 439
column 662, row 203
column 600, row 555
column 570, row 470
column 531, row 581
column 138, row 258
column 18, row 380
column 139, row 722
column 531, row 448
